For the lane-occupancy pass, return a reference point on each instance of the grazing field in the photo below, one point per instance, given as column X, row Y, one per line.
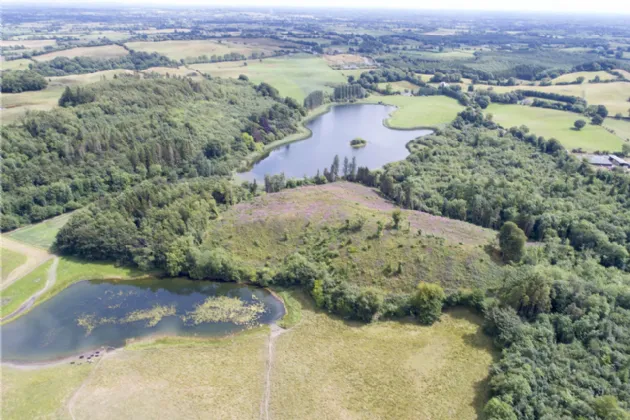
column 419, row 111
column 16, row 104
column 178, row 50
column 21, row 64
column 587, row 75
column 105, row 51
column 295, row 76
column 34, row 44
column 179, row 378
column 399, row 86
column 42, row 234
column 40, row 393
column 325, row 368
column 346, row 60
column 557, row 124
column 620, row 127
column 17, row 293
column 180, row 71
column 613, row 95
column 9, row 261
column 271, row 227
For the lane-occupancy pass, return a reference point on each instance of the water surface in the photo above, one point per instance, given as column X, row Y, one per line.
column 332, row 133
column 93, row 314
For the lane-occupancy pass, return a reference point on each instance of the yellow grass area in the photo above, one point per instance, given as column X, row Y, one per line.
column 625, row 73
column 21, row 64
column 326, row 368
column 16, row 104
column 614, row 95
column 105, row 51
column 40, row 393
column 344, row 60
column 587, row 75
column 28, row 43
column 179, row 71
column 194, row 48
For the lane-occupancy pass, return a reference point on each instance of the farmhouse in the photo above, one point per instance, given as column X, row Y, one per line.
column 598, row 160
column 616, row 160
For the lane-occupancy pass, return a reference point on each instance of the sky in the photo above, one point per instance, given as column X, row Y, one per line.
column 562, row 6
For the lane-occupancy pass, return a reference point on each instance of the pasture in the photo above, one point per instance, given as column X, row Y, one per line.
column 9, row 261
column 41, row 235
column 557, row 124
column 15, row 105
column 104, row 51
column 21, row 64
column 587, row 75
column 18, row 292
column 33, row 44
column 419, row 111
column 620, row 127
column 295, row 76
column 178, row 50
column 401, row 86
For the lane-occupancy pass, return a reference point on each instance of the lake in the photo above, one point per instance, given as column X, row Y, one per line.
column 332, row 133
column 94, row 314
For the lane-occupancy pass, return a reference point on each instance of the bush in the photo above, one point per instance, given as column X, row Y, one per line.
column 512, row 242
column 427, row 302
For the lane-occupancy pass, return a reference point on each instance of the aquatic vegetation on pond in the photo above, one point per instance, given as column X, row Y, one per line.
column 152, row 316
column 225, row 309
column 90, row 321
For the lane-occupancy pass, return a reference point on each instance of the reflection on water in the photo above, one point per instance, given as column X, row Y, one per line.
column 332, row 133
column 93, row 314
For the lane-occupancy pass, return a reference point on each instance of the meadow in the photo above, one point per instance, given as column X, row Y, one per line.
column 21, row 64
column 15, row 105
column 17, row 293
column 294, row 76
column 399, row 86
column 178, row 50
column 587, row 75
column 41, row 235
column 557, row 124
column 104, row 51
column 419, row 111
column 9, row 261
column 620, row 127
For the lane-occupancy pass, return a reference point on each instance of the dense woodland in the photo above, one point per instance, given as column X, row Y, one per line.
column 130, row 129
column 21, row 81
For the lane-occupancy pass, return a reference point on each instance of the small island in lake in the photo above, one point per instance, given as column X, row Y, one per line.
column 358, row 142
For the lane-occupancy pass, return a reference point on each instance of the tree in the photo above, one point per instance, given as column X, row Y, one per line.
column 427, row 302
column 579, row 80
column 397, row 217
column 528, row 291
column 243, row 77
column 496, row 409
column 512, row 242
column 597, row 120
column 579, row 124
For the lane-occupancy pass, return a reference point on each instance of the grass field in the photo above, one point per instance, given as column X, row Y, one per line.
column 271, row 227
column 42, row 234
column 104, row 51
column 419, row 111
column 35, row 44
column 295, row 76
column 16, row 294
column 40, row 393
column 177, row 50
column 620, row 127
column 558, row 124
column 21, row 64
column 588, row 75
column 399, row 86
column 9, row 261
column 325, row 368
column 180, row 71
column 16, row 104
column 613, row 95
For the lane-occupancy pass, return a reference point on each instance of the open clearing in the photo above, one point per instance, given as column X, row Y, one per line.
column 9, row 261
column 19, row 292
column 620, row 127
column 323, row 367
column 587, row 75
column 295, row 76
column 21, row 64
column 28, row 43
column 341, row 60
column 399, row 86
column 178, row 50
column 419, row 111
column 42, row 234
column 266, row 230
column 33, row 258
column 103, row 52
column 558, row 124
column 16, row 104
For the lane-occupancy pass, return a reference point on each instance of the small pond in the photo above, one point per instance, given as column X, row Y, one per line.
column 332, row 133
column 94, row 314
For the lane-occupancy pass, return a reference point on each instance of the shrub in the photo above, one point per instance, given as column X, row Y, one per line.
column 427, row 302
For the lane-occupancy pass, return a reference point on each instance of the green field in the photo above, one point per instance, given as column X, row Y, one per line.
column 293, row 76
column 104, row 51
column 419, row 111
column 557, row 124
column 21, row 64
column 42, row 234
column 178, row 50
column 16, row 294
column 620, row 127
column 399, row 86
column 9, row 261
column 15, row 105
column 587, row 75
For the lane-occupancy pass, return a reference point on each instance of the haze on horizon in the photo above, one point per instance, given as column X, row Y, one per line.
column 553, row 6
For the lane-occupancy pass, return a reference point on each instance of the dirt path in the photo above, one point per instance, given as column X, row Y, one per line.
column 50, row 281
column 34, row 258
column 276, row 332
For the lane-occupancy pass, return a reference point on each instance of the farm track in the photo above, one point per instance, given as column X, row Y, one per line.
column 276, row 332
